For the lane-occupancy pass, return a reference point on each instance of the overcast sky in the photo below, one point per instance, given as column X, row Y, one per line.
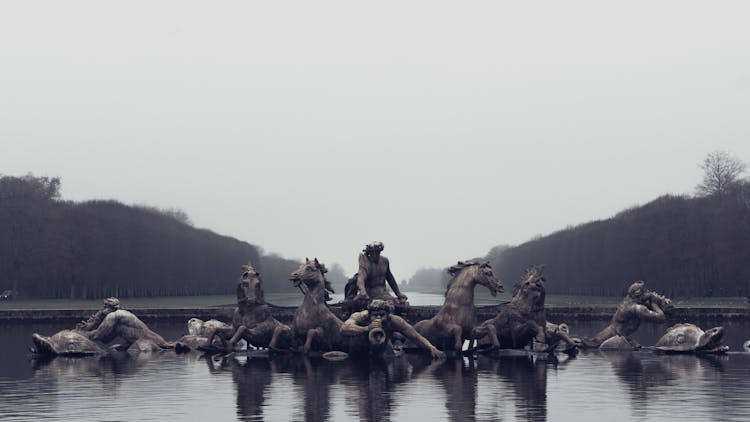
column 312, row 128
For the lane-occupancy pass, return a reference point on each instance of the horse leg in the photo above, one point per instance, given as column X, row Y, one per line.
column 311, row 333
column 492, row 333
column 278, row 331
column 541, row 335
column 240, row 333
column 421, row 326
column 457, row 332
column 517, row 331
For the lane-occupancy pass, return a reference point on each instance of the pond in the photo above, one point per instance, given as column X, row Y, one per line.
column 164, row 386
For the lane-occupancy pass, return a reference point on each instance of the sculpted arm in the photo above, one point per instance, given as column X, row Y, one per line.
column 406, row 329
column 392, row 282
column 352, row 325
column 362, row 276
column 657, row 315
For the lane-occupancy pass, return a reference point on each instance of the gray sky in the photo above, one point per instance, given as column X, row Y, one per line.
column 312, row 128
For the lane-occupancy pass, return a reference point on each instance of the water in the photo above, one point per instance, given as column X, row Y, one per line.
column 640, row 386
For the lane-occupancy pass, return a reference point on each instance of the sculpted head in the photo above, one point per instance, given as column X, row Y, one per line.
column 531, row 286
column 481, row 272
column 311, row 273
column 711, row 339
column 372, row 250
column 378, row 310
column 111, row 304
column 637, row 291
column 249, row 288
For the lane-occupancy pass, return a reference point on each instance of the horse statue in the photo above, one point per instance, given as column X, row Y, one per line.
column 314, row 323
column 524, row 319
column 252, row 320
column 455, row 321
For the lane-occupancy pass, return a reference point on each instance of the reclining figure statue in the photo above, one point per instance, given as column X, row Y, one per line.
column 90, row 336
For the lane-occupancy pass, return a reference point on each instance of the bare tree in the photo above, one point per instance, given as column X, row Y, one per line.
column 721, row 173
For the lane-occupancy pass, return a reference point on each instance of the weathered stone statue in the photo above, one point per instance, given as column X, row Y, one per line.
column 689, row 338
column 523, row 321
column 65, row 343
column 252, row 319
column 370, row 281
column 314, row 324
column 90, row 336
column 455, row 321
column 639, row 305
column 377, row 324
column 128, row 327
column 197, row 337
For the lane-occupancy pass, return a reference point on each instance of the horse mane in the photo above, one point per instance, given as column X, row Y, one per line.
column 533, row 273
column 455, row 270
column 318, row 265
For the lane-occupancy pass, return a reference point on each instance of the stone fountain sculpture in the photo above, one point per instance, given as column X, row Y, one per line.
column 523, row 321
column 639, row 305
column 456, row 319
column 370, row 282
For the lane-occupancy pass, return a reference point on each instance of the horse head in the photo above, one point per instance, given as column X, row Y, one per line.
column 479, row 272
column 249, row 289
column 530, row 289
column 311, row 274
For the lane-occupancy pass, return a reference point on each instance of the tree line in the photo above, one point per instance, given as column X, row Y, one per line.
column 683, row 246
column 52, row 248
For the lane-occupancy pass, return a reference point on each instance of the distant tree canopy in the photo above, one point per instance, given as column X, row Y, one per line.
column 275, row 271
column 679, row 245
column 51, row 248
column 721, row 174
column 428, row 280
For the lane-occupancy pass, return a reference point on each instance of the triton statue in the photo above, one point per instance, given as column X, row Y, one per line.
column 379, row 324
column 639, row 305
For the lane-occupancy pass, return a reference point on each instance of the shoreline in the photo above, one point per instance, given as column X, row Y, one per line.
column 557, row 314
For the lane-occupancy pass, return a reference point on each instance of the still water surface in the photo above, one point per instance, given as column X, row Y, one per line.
column 594, row 386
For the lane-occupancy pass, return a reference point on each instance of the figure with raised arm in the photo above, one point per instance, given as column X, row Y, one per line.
column 639, row 305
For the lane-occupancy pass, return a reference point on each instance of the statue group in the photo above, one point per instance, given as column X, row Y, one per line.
column 374, row 322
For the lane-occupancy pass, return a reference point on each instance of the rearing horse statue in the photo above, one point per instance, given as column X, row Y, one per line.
column 252, row 319
column 456, row 319
column 523, row 321
column 313, row 321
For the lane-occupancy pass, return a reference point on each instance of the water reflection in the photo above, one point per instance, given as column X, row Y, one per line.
column 638, row 385
column 369, row 386
column 251, row 377
column 458, row 377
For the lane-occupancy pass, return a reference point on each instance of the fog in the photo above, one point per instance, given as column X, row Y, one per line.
column 312, row 128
